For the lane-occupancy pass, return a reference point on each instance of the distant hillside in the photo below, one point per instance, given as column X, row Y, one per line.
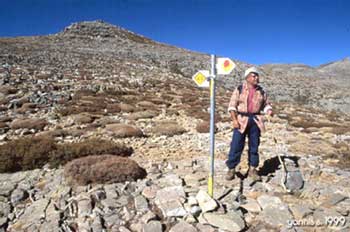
column 100, row 49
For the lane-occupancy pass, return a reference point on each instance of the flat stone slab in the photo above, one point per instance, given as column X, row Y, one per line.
column 205, row 201
column 231, row 221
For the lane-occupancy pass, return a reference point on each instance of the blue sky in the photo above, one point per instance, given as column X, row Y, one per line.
column 256, row 31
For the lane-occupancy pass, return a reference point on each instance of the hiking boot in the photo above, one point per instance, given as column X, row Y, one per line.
column 253, row 173
column 230, row 175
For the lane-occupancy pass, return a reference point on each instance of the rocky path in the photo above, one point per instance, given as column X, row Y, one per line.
column 173, row 195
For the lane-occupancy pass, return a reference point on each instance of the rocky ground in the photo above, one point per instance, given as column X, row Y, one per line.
column 96, row 81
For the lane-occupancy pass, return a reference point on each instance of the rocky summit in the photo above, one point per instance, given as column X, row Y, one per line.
column 102, row 129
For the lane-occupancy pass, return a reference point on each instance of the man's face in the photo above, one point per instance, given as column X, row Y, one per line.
column 253, row 78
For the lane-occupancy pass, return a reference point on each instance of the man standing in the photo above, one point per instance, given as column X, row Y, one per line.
column 245, row 107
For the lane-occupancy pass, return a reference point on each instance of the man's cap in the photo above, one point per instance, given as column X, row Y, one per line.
column 251, row 70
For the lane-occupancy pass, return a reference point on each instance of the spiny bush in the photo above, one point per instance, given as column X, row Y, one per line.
column 34, row 152
column 167, row 128
column 25, row 153
column 102, row 169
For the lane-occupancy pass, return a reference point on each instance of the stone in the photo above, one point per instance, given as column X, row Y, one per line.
column 111, row 191
column 205, row 228
column 276, row 215
column 84, row 207
column 111, row 220
column 190, row 219
column 18, row 195
column 152, row 226
column 195, row 210
column 6, row 187
column 172, row 208
column 97, row 224
column 170, row 193
column 141, row 203
column 183, row 227
column 230, row 222
column 205, row 201
column 267, row 200
column 294, row 180
column 300, row 211
column 252, row 206
column 150, row 192
column 333, row 199
column 33, row 214
column 3, row 224
column 170, row 180
column 148, row 217
column 5, row 209
column 192, row 201
column 123, row 229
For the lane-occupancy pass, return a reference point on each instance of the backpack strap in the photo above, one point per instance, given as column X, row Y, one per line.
column 240, row 88
column 259, row 88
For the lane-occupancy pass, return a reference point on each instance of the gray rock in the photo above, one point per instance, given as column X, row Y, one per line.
column 333, row 199
column 123, row 229
column 276, row 215
column 170, row 180
column 141, row 203
column 122, row 201
column 5, row 209
column 300, row 211
column 294, row 180
column 18, row 195
column 111, row 220
column 206, row 202
column 152, row 226
column 183, row 227
column 195, row 210
column 111, row 191
column 97, row 224
column 148, row 217
column 3, row 224
column 229, row 222
column 192, row 201
column 6, row 187
column 84, row 207
column 267, row 200
column 150, row 192
column 172, row 208
column 34, row 214
column 251, row 205
column 205, row 228
column 170, row 194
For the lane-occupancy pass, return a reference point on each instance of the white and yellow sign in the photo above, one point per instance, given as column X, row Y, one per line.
column 201, row 78
column 225, row 66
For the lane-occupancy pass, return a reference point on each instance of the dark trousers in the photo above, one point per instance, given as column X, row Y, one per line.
column 238, row 141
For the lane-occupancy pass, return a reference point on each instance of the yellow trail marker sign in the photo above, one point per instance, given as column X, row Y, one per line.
column 201, row 78
column 225, row 66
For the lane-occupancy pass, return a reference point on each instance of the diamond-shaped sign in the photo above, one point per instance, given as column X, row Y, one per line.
column 225, row 66
column 201, row 78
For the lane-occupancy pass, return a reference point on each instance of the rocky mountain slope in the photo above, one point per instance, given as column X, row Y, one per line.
column 103, row 130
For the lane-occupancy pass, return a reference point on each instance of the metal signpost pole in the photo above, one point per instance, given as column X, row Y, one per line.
column 212, row 125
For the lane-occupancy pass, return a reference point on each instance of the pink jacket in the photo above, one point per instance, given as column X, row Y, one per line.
column 239, row 102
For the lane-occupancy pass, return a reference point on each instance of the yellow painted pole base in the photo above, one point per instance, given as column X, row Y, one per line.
column 211, row 186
